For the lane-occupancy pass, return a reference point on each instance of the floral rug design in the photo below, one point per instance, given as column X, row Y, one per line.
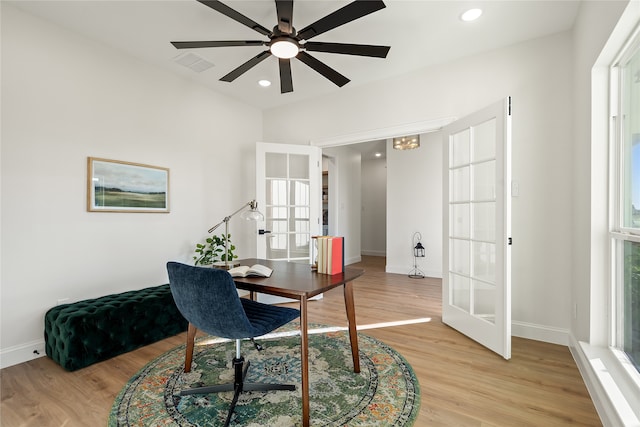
column 384, row 393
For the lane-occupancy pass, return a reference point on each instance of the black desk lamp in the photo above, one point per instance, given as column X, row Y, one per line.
column 253, row 214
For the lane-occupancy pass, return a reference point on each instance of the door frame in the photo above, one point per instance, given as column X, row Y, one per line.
column 425, row 126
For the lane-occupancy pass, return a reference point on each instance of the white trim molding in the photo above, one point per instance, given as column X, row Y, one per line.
column 21, row 353
column 425, row 126
column 537, row 332
column 616, row 399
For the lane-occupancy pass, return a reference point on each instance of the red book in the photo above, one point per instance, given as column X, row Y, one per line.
column 337, row 255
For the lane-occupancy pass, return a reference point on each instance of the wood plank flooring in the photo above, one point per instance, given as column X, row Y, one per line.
column 462, row 383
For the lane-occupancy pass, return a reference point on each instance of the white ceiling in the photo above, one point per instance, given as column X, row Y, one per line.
column 421, row 33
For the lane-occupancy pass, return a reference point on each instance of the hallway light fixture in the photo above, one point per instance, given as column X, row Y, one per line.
column 406, row 142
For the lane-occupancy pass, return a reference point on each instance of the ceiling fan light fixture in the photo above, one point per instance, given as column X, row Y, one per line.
column 284, row 47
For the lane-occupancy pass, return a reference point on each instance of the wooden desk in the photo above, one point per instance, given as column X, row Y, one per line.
column 297, row 281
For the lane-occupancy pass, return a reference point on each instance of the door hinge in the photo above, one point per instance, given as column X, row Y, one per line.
column 509, row 241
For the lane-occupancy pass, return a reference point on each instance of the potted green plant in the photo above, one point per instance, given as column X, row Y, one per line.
column 212, row 251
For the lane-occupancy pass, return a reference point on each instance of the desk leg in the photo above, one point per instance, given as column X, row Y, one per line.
column 353, row 332
column 188, row 357
column 304, row 356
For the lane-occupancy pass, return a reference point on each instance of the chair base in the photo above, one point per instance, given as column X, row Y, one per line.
column 238, row 386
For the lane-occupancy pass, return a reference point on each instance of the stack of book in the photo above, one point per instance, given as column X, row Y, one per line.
column 330, row 254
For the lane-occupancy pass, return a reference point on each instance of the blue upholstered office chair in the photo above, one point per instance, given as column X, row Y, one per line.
column 208, row 299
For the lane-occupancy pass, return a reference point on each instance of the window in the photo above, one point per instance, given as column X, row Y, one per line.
column 625, row 233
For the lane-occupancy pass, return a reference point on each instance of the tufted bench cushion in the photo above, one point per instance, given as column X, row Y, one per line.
column 85, row 332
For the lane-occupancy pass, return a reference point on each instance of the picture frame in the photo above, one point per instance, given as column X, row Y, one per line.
column 118, row 186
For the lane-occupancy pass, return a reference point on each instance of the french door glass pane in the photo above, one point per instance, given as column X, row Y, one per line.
column 287, row 206
column 276, row 165
column 299, row 193
column 484, row 181
column 460, row 292
column 484, row 261
column 460, row 148
column 459, row 185
column 484, row 303
column 298, row 166
column 299, row 220
column 484, row 141
column 460, row 222
column 277, row 246
column 484, row 227
column 299, row 244
column 460, row 261
column 276, row 192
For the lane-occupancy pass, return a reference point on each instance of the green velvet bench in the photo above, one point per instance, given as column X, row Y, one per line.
column 85, row 332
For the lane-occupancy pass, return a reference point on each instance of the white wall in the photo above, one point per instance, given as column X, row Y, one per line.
column 414, row 204
column 374, row 207
column 65, row 98
column 538, row 75
column 344, row 184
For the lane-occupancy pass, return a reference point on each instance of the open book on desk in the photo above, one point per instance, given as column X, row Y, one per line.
column 257, row 270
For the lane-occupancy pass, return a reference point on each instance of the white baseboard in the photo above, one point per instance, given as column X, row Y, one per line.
column 352, row 260
column 21, row 353
column 403, row 269
column 537, row 332
column 373, row 252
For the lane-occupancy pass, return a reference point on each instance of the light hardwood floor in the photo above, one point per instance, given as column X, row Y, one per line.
column 462, row 383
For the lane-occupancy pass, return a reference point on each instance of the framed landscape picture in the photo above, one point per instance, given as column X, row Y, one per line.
column 115, row 186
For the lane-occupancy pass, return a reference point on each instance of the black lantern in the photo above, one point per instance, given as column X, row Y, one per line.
column 418, row 252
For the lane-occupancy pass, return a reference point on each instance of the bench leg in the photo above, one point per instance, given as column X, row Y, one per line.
column 188, row 357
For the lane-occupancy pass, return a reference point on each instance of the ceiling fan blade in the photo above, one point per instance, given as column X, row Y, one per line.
column 286, row 83
column 194, row 45
column 350, row 12
column 246, row 66
column 348, row 49
column 285, row 15
column 323, row 69
column 235, row 15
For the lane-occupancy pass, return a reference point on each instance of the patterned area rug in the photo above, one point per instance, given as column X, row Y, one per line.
column 385, row 392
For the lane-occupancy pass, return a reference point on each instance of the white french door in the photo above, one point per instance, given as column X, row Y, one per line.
column 476, row 291
column 288, row 180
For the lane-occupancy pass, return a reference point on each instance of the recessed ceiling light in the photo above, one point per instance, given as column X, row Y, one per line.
column 264, row 83
column 471, row 15
column 378, row 154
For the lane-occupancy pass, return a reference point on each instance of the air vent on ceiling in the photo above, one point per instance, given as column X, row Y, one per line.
column 193, row 61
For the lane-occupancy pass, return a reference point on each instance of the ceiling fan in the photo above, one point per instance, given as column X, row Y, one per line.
column 286, row 43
